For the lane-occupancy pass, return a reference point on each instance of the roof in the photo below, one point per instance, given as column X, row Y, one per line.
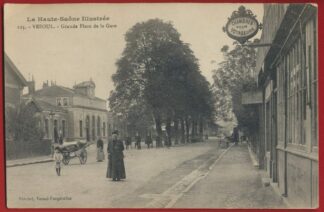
column 15, row 70
column 44, row 106
column 57, row 90
column 85, row 84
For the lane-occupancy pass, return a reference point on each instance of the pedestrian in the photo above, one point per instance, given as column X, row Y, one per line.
column 58, row 157
column 116, row 167
column 56, row 135
column 128, row 141
column 138, row 141
column 100, row 150
column 235, row 135
column 60, row 139
column 158, row 142
column 148, row 140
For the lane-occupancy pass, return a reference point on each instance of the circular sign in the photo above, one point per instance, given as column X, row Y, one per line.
column 242, row 25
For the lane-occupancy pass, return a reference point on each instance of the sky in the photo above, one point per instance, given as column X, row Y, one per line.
column 73, row 55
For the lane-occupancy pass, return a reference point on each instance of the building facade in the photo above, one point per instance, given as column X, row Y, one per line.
column 14, row 83
column 73, row 113
column 287, row 70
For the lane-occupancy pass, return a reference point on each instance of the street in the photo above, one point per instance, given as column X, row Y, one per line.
column 87, row 185
column 155, row 178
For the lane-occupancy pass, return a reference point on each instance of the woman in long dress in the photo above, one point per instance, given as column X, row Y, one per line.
column 100, row 151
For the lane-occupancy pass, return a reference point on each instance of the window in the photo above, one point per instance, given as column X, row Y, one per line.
column 98, row 126
column 65, row 101
column 46, row 128
column 63, row 128
column 58, row 101
column 311, row 43
column 62, row 101
column 301, row 70
column 93, row 128
column 81, row 128
column 104, row 129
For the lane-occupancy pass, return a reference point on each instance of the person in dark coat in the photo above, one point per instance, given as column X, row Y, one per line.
column 138, row 141
column 116, row 167
column 235, row 135
column 148, row 140
column 128, row 141
column 100, row 151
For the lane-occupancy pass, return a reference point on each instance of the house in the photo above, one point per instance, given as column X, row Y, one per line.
column 287, row 139
column 14, row 83
column 75, row 113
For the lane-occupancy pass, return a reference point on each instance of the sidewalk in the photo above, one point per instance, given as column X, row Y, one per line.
column 233, row 183
column 27, row 161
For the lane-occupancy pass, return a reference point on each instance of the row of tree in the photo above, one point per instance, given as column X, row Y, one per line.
column 158, row 82
column 235, row 75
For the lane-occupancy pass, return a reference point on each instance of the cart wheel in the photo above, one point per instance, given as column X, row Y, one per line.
column 83, row 156
column 66, row 158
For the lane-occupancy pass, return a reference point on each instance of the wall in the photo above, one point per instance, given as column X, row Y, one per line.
column 90, row 103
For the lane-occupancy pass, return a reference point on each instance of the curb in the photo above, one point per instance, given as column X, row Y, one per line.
column 274, row 187
column 29, row 163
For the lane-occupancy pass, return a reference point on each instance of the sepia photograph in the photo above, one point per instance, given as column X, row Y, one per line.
column 161, row 105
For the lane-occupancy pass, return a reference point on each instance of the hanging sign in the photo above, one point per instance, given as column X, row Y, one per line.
column 242, row 25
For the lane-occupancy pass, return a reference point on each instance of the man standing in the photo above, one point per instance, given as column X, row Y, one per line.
column 138, row 141
column 116, row 167
column 128, row 141
column 148, row 140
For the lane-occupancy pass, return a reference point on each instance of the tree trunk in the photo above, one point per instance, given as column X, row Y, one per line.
column 176, row 131
column 158, row 127
column 182, row 122
column 201, row 129
column 187, row 129
column 168, row 131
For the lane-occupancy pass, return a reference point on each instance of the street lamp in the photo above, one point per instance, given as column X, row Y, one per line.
column 51, row 114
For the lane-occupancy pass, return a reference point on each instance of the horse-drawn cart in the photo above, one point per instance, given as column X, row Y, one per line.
column 74, row 149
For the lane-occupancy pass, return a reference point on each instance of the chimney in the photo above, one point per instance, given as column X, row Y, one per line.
column 31, row 86
column 45, row 84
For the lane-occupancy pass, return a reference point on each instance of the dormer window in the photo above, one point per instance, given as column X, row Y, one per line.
column 62, row 101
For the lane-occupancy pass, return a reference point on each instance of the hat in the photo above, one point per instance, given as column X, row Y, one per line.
column 115, row 132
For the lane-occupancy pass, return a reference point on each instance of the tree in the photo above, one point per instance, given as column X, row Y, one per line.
column 233, row 77
column 159, row 74
column 22, row 125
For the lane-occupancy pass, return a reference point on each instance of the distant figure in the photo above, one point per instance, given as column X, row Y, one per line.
column 128, row 142
column 206, row 136
column 235, row 135
column 56, row 135
column 60, row 139
column 100, row 150
column 158, row 142
column 138, row 141
column 116, row 167
column 58, row 157
column 148, row 140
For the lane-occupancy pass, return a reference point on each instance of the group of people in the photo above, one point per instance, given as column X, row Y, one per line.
column 116, row 167
column 138, row 140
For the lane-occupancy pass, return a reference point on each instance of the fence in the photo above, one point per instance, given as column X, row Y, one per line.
column 20, row 149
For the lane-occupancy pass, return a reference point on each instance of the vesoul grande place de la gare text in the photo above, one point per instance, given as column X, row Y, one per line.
column 67, row 22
